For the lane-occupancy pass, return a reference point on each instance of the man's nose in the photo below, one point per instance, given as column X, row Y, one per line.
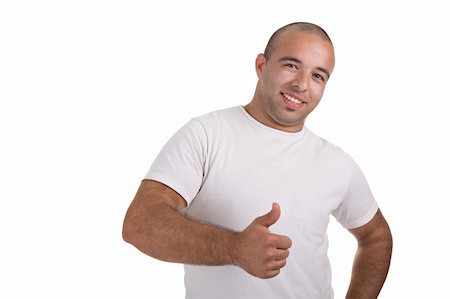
column 300, row 82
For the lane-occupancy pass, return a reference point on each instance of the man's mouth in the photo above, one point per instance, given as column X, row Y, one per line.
column 292, row 99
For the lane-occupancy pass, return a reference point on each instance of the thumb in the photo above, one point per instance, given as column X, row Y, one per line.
column 271, row 217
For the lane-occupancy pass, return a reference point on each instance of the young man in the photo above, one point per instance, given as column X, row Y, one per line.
column 202, row 200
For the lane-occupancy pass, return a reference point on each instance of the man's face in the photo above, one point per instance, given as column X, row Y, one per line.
column 292, row 81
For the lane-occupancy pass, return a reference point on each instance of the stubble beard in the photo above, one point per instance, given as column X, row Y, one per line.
column 285, row 117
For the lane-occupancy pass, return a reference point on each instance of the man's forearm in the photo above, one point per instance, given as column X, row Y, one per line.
column 370, row 268
column 163, row 233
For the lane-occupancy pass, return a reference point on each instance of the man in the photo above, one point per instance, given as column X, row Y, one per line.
column 242, row 196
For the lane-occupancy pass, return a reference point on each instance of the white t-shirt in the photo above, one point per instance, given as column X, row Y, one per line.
column 230, row 168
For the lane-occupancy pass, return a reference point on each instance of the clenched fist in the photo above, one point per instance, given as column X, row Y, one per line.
column 258, row 251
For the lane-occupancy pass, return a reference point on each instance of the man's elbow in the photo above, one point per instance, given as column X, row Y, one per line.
column 126, row 234
column 389, row 241
column 386, row 236
column 129, row 233
column 383, row 242
column 134, row 233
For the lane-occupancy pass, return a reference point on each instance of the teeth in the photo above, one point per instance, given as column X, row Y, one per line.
column 294, row 100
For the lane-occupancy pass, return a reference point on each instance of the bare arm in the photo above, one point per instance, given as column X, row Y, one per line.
column 372, row 259
column 154, row 225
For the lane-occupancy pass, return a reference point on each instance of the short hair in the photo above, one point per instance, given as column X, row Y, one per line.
column 300, row 26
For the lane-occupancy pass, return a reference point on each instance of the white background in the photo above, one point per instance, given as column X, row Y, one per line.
column 90, row 91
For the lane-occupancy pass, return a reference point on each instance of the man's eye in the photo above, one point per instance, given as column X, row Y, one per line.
column 291, row 66
column 319, row 77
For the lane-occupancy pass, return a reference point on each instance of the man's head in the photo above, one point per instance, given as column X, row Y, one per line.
column 301, row 27
column 292, row 73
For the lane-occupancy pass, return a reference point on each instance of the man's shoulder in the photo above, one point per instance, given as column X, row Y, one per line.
column 221, row 113
column 323, row 146
column 219, row 118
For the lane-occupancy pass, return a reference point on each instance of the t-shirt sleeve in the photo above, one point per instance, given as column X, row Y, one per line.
column 180, row 162
column 358, row 206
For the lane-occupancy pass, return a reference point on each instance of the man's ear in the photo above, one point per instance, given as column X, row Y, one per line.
column 260, row 64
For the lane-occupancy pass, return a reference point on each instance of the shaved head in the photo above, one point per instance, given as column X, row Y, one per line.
column 298, row 26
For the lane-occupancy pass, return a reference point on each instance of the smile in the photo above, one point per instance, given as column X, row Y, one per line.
column 292, row 99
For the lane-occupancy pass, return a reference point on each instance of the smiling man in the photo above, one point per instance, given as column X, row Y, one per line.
column 292, row 72
column 243, row 196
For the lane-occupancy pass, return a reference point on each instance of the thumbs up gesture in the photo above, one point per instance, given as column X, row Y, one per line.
column 258, row 251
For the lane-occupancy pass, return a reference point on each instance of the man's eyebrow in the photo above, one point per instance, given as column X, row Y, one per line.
column 284, row 58
column 291, row 58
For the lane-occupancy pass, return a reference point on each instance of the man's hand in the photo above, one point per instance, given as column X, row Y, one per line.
column 258, row 251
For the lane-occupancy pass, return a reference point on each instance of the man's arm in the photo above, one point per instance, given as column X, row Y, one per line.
column 372, row 259
column 154, row 225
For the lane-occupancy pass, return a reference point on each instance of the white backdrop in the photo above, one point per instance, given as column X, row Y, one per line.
column 90, row 91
